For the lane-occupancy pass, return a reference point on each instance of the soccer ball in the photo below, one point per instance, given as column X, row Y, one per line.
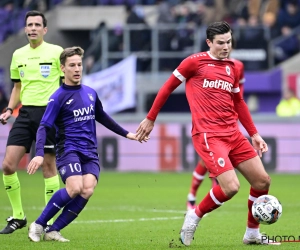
column 266, row 209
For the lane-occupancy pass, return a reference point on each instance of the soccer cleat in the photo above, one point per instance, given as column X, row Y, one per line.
column 188, row 229
column 13, row 225
column 258, row 240
column 190, row 205
column 35, row 232
column 54, row 235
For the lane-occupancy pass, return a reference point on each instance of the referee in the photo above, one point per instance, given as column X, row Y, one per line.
column 35, row 71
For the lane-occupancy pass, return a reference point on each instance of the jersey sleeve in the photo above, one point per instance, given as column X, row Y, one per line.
column 14, row 72
column 186, row 69
column 52, row 111
column 236, row 84
column 41, row 136
column 102, row 117
column 242, row 74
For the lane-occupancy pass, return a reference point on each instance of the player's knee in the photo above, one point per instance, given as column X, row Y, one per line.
column 231, row 189
column 262, row 183
column 8, row 167
column 87, row 192
column 74, row 191
column 49, row 169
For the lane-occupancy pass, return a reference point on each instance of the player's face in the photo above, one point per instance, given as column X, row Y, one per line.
column 35, row 30
column 72, row 70
column 221, row 45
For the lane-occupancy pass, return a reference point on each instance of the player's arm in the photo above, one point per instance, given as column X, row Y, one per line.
column 246, row 120
column 46, row 124
column 102, row 117
column 185, row 70
column 242, row 78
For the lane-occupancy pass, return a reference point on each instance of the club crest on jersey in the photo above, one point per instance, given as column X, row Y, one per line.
column 45, row 70
column 91, row 97
column 228, row 70
column 221, row 162
column 63, row 170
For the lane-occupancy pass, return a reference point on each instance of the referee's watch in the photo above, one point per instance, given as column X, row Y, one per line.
column 10, row 109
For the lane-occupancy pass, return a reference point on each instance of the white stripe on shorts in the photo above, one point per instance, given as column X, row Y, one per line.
column 206, row 143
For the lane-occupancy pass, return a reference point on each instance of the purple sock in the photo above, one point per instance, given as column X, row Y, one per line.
column 60, row 199
column 69, row 213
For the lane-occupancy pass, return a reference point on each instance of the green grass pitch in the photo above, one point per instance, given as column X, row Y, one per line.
column 145, row 211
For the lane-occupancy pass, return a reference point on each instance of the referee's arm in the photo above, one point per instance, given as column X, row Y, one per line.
column 14, row 99
column 13, row 102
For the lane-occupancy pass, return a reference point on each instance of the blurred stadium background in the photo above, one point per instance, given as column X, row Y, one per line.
column 133, row 46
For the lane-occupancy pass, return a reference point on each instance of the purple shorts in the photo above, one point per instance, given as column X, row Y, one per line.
column 77, row 163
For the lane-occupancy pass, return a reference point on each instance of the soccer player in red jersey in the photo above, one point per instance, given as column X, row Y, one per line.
column 212, row 90
column 200, row 169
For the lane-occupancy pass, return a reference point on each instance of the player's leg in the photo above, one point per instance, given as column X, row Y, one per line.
column 90, row 171
column 197, row 178
column 250, row 166
column 59, row 200
column 51, row 178
column 19, row 141
column 73, row 208
column 11, row 182
column 214, row 152
column 50, row 175
column 70, row 171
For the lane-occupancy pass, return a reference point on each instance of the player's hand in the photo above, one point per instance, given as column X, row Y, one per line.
column 144, row 129
column 259, row 144
column 34, row 164
column 132, row 136
column 4, row 117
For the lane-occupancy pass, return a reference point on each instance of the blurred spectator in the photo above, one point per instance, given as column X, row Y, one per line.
column 185, row 34
column 289, row 105
column 269, row 21
column 93, row 53
column 215, row 10
column 140, row 40
column 167, row 39
column 259, row 7
column 288, row 46
column 290, row 15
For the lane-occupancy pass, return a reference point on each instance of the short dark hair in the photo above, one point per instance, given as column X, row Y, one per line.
column 217, row 28
column 36, row 13
column 68, row 52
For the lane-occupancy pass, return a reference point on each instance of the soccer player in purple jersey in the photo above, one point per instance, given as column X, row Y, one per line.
column 72, row 109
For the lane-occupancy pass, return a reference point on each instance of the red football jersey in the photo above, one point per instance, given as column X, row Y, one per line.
column 239, row 66
column 210, row 84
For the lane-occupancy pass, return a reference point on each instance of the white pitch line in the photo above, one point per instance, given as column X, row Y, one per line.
column 123, row 220
column 128, row 220
column 121, row 208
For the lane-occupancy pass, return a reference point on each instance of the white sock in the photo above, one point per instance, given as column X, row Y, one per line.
column 194, row 216
column 252, row 231
column 191, row 197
